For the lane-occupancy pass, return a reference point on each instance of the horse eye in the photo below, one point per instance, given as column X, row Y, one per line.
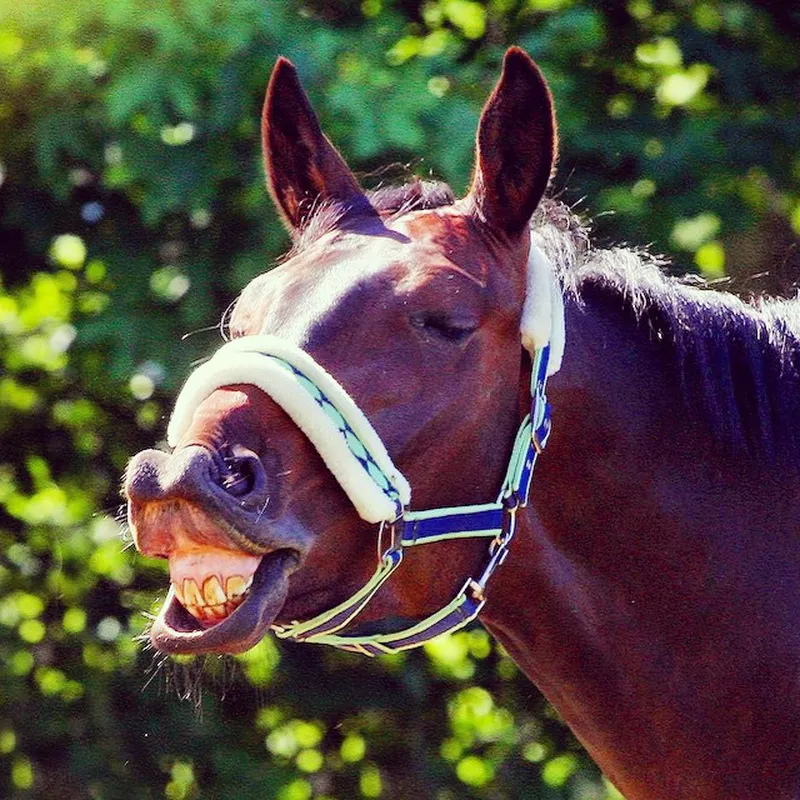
column 442, row 327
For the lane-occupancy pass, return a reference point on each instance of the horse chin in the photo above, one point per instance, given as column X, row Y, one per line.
column 176, row 631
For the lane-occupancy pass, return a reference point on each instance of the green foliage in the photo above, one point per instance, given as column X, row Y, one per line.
column 132, row 210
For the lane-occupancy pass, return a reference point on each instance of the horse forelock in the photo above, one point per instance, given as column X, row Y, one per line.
column 387, row 201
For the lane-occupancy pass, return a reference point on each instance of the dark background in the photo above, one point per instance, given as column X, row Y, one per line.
column 132, row 211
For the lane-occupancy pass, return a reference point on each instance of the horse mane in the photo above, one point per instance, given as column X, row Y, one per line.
column 739, row 362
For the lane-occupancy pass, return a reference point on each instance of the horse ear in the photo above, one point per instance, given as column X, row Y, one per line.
column 516, row 146
column 303, row 167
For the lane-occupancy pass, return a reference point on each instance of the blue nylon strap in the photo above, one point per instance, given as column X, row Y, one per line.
column 540, row 408
column 526, row 477
column 463, row 610
column 460, row 616
column 540, row 422
column 469, row 522
column 542, row 432
column 457, row 618
column 539, row 375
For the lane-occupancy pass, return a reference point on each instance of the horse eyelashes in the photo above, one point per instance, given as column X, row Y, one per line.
column 442, row 327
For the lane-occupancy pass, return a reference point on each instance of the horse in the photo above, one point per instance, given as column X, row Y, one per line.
column 652, row 587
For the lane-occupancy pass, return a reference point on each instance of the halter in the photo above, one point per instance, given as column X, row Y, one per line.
column 356, row 456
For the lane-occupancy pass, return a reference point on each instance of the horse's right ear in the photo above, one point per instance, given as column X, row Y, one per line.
column 516, row 146
column 303, row 167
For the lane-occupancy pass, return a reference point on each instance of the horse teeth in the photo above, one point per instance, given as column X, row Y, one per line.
column 192, row 593
column 213, row 592
column 235, row 586
column 212, row 603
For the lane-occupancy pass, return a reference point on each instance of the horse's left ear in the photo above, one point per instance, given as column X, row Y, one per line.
column 303, row 167
column 516, row 146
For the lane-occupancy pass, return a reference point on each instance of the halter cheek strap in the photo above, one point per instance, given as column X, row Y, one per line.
column 356, row 456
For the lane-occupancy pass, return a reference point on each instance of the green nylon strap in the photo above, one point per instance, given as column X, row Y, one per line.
column 354, row 604
column 516, row 464
column 384, row 641
column 433, row 513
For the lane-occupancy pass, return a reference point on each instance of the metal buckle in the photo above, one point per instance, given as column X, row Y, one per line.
column 498, row 552
column 542, row 424
column 395, row 542
column 476, row 588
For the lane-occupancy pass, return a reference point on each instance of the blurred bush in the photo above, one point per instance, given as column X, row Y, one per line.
column 132, row 210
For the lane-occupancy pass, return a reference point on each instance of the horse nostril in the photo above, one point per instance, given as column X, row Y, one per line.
column 241, row 472
column 239, row 479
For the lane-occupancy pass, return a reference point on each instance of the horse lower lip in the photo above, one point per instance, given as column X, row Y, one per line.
column 175, row 630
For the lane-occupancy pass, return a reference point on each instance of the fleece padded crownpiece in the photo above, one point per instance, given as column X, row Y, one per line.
column 542, row 318
column 317, row 404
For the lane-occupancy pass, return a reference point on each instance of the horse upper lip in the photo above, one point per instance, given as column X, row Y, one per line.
column 190, row 480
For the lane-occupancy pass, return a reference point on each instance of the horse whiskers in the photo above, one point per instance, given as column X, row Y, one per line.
column 188, row 680
column 208, row 328
column 163, row 666
column 125, row 532
column 116, row 511
column 262, row 509
column 197, row 362
column 224, row 322
column 155, row 669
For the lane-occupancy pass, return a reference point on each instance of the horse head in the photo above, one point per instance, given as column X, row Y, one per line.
column 412, row 300
column 375, row 382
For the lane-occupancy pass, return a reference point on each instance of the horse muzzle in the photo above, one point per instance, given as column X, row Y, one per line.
column 230, row 549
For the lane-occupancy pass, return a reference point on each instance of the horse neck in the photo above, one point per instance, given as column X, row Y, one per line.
column 634, row 595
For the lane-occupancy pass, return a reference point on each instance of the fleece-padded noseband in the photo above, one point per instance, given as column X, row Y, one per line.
column 317, row 404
